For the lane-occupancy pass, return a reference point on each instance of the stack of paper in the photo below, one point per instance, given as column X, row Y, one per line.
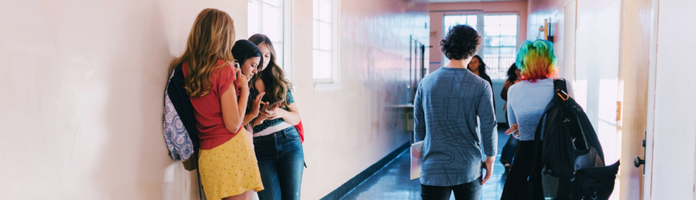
column 416, row 159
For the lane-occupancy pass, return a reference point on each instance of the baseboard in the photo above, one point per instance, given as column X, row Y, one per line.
column 364, row 175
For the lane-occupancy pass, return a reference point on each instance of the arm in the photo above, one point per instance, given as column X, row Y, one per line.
column 486, row 114
column 231, row 109
column 254, row 110
column 243, row 99
column 512, row 121
column 510, row 112
column 291, row 116
column 418, row 116
column 503, row 93
column 489, row 132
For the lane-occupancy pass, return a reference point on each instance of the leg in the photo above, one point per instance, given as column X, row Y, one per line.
column 435, row 192
column 267, row 161
column 290, row 168
column 248, row 195
column 509, row 150
column 468, row 191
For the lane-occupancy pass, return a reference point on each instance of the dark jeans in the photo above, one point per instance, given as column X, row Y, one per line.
column 510, row 147
column 281, row 162
column 509, row 150
column 466, row 191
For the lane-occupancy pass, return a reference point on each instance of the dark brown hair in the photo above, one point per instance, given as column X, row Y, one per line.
column 272, row 76
column 461, row 42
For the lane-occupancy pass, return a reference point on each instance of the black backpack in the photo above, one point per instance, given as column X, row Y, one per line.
column 572, row 164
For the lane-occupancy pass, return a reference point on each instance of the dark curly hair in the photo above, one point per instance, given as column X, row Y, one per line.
column 461, row 42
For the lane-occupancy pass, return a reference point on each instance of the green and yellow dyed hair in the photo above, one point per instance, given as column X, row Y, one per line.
column 536, row 60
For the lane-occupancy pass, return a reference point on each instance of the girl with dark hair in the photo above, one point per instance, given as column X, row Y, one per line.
column 478, row 67
column 276, row 141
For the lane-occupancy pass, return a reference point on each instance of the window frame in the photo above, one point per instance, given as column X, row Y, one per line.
column 286, row 37
column 515, row 47
column 479, row 29
column 332, row 83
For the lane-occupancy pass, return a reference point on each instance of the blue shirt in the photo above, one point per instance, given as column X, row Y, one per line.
column 447, row 105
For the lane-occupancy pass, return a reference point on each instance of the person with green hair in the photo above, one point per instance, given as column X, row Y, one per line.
column 526, row 103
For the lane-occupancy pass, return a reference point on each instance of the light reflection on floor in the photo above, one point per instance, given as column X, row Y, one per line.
column 392, row 182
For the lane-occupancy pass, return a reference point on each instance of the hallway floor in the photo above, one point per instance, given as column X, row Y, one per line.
column 392, row 181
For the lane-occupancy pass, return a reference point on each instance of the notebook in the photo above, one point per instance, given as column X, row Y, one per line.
column 415, row 159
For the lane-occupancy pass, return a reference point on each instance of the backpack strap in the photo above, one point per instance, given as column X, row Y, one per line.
column 537, row 148
column 560, row 88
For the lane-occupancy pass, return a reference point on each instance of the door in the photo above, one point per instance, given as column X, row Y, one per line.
column 671, row 132
column 633, row 94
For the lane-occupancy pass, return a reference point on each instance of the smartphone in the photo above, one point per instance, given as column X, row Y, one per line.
column 274, row 105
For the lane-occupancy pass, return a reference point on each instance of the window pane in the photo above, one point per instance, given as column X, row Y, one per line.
column 272, row 2
column 491, row 30
column 452, row 20
column 491, row 41
column 509, row 51
column 271, row 22
column 507, row 20
column 322, row 65
column 325, row 36
column 490, row 51
column 508, row 30
column 325, row 10
column 254, row 20
column 509, row 41
column 315, row 9
column 472, row 21
column 493, row 20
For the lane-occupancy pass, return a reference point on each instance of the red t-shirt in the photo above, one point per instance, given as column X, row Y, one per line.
column 208, row 110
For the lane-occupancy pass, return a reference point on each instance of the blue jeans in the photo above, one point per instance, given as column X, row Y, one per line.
column 508, row 153
column 281, row 162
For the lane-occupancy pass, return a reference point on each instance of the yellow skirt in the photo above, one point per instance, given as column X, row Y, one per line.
column 230, row 169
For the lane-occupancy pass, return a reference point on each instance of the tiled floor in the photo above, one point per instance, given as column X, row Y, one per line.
column 392, row 181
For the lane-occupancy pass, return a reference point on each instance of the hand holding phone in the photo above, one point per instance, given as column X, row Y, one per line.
column 273, row 106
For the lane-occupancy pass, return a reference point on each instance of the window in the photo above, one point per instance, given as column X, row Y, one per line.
column 266, row 17
column 452, row 20
column 499, row 44
column 325, row 29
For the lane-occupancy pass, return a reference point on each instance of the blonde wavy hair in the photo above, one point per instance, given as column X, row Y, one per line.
column 211, row 39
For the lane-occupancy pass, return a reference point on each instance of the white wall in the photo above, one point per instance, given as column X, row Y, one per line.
column 82, row 85
column 351, row 128
column 671, row 155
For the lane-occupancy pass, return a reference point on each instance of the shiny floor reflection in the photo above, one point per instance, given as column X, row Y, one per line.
column 392, row 181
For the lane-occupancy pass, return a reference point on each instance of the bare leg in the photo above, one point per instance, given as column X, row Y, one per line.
column 248, row 195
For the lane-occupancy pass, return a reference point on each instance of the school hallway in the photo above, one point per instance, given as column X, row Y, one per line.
column 392, row 181
column 86, row 111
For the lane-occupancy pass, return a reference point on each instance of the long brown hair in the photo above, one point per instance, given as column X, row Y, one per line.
column 210, row 40
column 272, row 76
